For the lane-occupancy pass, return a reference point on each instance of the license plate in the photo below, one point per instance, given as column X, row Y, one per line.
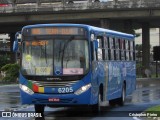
column 53, row 99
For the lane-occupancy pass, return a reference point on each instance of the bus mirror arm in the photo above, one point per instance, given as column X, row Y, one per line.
column 15, row 43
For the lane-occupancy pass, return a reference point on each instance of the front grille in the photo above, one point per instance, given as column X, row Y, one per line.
column 54, row 83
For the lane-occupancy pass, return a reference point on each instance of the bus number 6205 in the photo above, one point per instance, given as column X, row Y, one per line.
column 65, row 90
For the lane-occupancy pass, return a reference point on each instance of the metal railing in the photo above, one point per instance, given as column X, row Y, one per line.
column 19, row 6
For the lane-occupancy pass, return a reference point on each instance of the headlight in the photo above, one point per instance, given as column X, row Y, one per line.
column 83, row 89
column 26, row 89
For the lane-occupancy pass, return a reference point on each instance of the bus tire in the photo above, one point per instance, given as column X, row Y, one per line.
column 121, row 100
column 97, row 107
column 39, row 109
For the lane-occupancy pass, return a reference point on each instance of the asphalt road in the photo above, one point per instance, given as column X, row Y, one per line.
column 146, row 95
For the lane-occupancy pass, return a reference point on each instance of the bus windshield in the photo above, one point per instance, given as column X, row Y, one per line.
column 55, row 57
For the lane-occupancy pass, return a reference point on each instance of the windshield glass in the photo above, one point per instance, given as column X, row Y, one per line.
column 55, row 57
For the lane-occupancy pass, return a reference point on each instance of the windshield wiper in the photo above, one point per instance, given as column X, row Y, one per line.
column 45, row 54
column 64, row 47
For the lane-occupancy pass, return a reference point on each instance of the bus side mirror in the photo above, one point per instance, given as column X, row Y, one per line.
column 15, row 43
column 15, row 46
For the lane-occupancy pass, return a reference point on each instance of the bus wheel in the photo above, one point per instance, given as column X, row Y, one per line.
column 97, row 107
column 39, row 109
column 121, row 100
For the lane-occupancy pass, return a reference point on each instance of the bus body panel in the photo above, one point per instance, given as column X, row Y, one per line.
column 112, row 76
column 120, row 72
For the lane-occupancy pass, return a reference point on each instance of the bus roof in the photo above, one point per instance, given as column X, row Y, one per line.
column 89, row 27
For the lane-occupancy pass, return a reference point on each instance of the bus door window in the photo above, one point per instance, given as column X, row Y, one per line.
column 100, row 52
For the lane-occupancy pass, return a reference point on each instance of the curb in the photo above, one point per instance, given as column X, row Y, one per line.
column 148, row 79
column 9, row 85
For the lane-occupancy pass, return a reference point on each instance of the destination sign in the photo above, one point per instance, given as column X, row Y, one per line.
column 37, row 43
column 57, row 31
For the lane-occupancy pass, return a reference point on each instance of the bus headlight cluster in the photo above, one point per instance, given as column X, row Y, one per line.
column 26, row 89
column 83, row 89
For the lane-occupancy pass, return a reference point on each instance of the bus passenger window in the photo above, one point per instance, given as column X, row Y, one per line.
column 122, row 55
column 119, row 43
column 131, row 55
column 127, row 55
column 105, row 49
column 111, row 43
column 130, row 49
column 124, row 49
column 106, row 54
column 109, row 54
column 127, row 45
column 124, row 44
column 131, row 45
column 112, row 53
column 105, row 42
column 134, row 51
column 117, row 53
column 116, row 44
column 108, row 42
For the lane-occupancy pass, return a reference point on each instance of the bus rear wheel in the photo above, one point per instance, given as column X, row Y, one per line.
column 39, row 109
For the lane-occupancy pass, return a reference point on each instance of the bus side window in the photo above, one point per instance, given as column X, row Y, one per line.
column 127, row 50
column 106, row 48
column 111, row 40
column 131, row 50
column 119, row 43
column 134, row 56
column 124, row 48
column 109, row 51
column 117, row 49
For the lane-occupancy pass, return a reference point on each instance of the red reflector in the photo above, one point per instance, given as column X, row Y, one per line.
column 53, row 99
column 35, row 88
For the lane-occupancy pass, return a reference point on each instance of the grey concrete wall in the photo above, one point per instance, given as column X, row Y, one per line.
column 21, row 6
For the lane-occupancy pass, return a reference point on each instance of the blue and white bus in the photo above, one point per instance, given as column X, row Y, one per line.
column 75, row 65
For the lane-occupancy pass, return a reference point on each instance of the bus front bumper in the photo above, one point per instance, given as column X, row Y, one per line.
column 56, row 99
